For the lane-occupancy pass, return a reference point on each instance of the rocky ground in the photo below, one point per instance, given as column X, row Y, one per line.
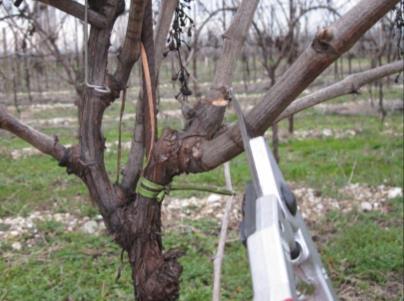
column 25, row 231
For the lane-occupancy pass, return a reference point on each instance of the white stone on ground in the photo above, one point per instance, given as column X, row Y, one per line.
column 213, row 198
column 366, row 206
column 312, row 204
column 16, row 246
column 89, row 227
column 395, row 192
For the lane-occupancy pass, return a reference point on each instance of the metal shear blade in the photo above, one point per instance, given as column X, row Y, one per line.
column 280, row 247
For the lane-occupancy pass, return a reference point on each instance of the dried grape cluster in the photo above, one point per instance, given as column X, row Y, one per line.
column 182, row 25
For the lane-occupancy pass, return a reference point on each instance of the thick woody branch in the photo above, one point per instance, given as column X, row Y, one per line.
column 351, row 84
column 135, row 158
column 77, row 10
column 234, row 39
column 131, row 48
column 91, row 110
column 44, row 143
column 141, row 136
column 209, row 114
column 327, row 46
column 167, row 9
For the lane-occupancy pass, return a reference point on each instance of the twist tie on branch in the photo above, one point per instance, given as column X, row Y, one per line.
column 151, row 190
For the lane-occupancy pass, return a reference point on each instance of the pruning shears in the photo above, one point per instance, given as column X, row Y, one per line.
column 284, row 262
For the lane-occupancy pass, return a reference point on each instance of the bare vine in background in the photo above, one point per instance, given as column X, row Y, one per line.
column 182, row 25
column 399, row 24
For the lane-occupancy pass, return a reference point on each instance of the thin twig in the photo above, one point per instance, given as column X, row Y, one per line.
column 211, row 189
column 352, row 172
column 217, row 264
column 119, row 155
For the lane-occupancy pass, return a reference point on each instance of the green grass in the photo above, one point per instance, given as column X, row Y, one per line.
column 37, row 182
column 364, row 248
column 372, row 156
column 62, row 266
column 83, row 267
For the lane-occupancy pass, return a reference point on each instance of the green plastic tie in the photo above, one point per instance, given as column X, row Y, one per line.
column 151, row 190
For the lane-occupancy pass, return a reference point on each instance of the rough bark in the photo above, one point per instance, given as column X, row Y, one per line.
column 136, row 153
column 77, row 10
column 209, row 113
column 47, row 145
column 327, row 46
column 132, row 52
column 351, row 84
column 131, row 47
column 167, row 9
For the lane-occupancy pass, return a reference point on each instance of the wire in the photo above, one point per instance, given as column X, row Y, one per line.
column 98, row 88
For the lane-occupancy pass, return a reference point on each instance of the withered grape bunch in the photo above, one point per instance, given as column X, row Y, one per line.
column 181, row 28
